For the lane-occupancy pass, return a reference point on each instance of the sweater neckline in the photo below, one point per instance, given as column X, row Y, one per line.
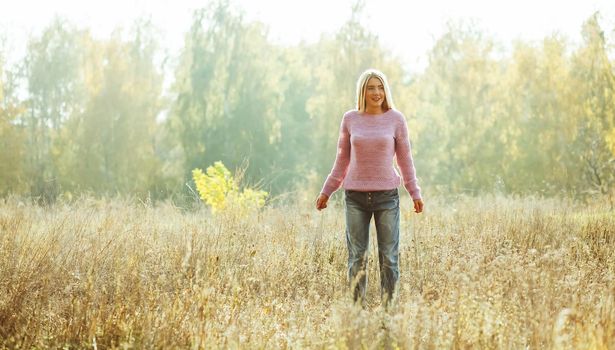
column 367, row 115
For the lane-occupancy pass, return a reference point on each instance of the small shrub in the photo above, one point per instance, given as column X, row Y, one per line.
column 219, row 189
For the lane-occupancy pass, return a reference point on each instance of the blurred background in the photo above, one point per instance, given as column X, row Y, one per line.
column 128, row 97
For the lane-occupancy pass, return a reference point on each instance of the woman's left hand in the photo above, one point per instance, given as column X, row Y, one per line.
column 418, row 206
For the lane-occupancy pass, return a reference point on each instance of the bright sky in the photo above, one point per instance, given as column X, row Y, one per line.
column 407, row 27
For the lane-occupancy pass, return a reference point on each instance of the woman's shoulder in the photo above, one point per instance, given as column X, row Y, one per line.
column 399, row 119
column 349, row 116
column 351, row 113
column 396, row 113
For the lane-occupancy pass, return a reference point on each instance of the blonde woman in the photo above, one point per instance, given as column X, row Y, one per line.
column 369, row 138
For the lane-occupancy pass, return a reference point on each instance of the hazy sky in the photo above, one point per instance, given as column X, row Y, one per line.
column 408, row 28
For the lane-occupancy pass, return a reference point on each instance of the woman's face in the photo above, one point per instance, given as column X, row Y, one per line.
column 374, row 94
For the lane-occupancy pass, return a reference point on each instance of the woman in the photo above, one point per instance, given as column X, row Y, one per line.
column 369, row 138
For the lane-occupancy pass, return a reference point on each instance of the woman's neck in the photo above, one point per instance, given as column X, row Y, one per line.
column 374, row 110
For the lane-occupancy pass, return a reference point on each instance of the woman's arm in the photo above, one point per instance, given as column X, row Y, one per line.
column 342, row 159
column 403, row 154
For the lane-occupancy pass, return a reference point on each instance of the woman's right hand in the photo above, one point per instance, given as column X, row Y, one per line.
column 321, row 201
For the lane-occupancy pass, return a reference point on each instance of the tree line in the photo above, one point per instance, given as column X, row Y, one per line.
column 80, row 114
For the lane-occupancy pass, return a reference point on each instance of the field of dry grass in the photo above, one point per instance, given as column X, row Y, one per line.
column 475, row 273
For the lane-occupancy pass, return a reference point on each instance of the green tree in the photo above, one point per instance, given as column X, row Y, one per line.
column 290, row 160
column 542, row 127
column 594, row 109
column 111, row 143
column 459, row 103
column 227, row 94
column 11, row 133
column 51, row 68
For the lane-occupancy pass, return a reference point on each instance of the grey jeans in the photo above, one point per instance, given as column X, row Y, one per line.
column 384, row 206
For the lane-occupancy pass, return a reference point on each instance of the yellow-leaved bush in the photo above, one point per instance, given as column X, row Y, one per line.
column 219, row 189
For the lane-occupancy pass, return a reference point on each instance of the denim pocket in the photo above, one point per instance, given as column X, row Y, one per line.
column 391, row 193
column 349, row 193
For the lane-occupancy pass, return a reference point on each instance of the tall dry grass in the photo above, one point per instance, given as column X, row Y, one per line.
column 475, row 273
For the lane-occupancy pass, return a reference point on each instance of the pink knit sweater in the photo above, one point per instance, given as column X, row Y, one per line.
column 365, row 150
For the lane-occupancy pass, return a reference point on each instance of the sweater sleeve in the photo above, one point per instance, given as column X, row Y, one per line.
column 342, row 159
column 403, row 154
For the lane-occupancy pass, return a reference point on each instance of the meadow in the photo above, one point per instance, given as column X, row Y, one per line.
column 491, row 272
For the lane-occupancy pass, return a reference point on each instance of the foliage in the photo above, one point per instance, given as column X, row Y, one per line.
column 11, row 135
column 594, row 109
column 108, row 115
column 227, row 88
column 55, row 91
column 112, row 136
column 219, row 189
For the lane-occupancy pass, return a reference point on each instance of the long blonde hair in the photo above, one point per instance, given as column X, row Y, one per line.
column 362, row 87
